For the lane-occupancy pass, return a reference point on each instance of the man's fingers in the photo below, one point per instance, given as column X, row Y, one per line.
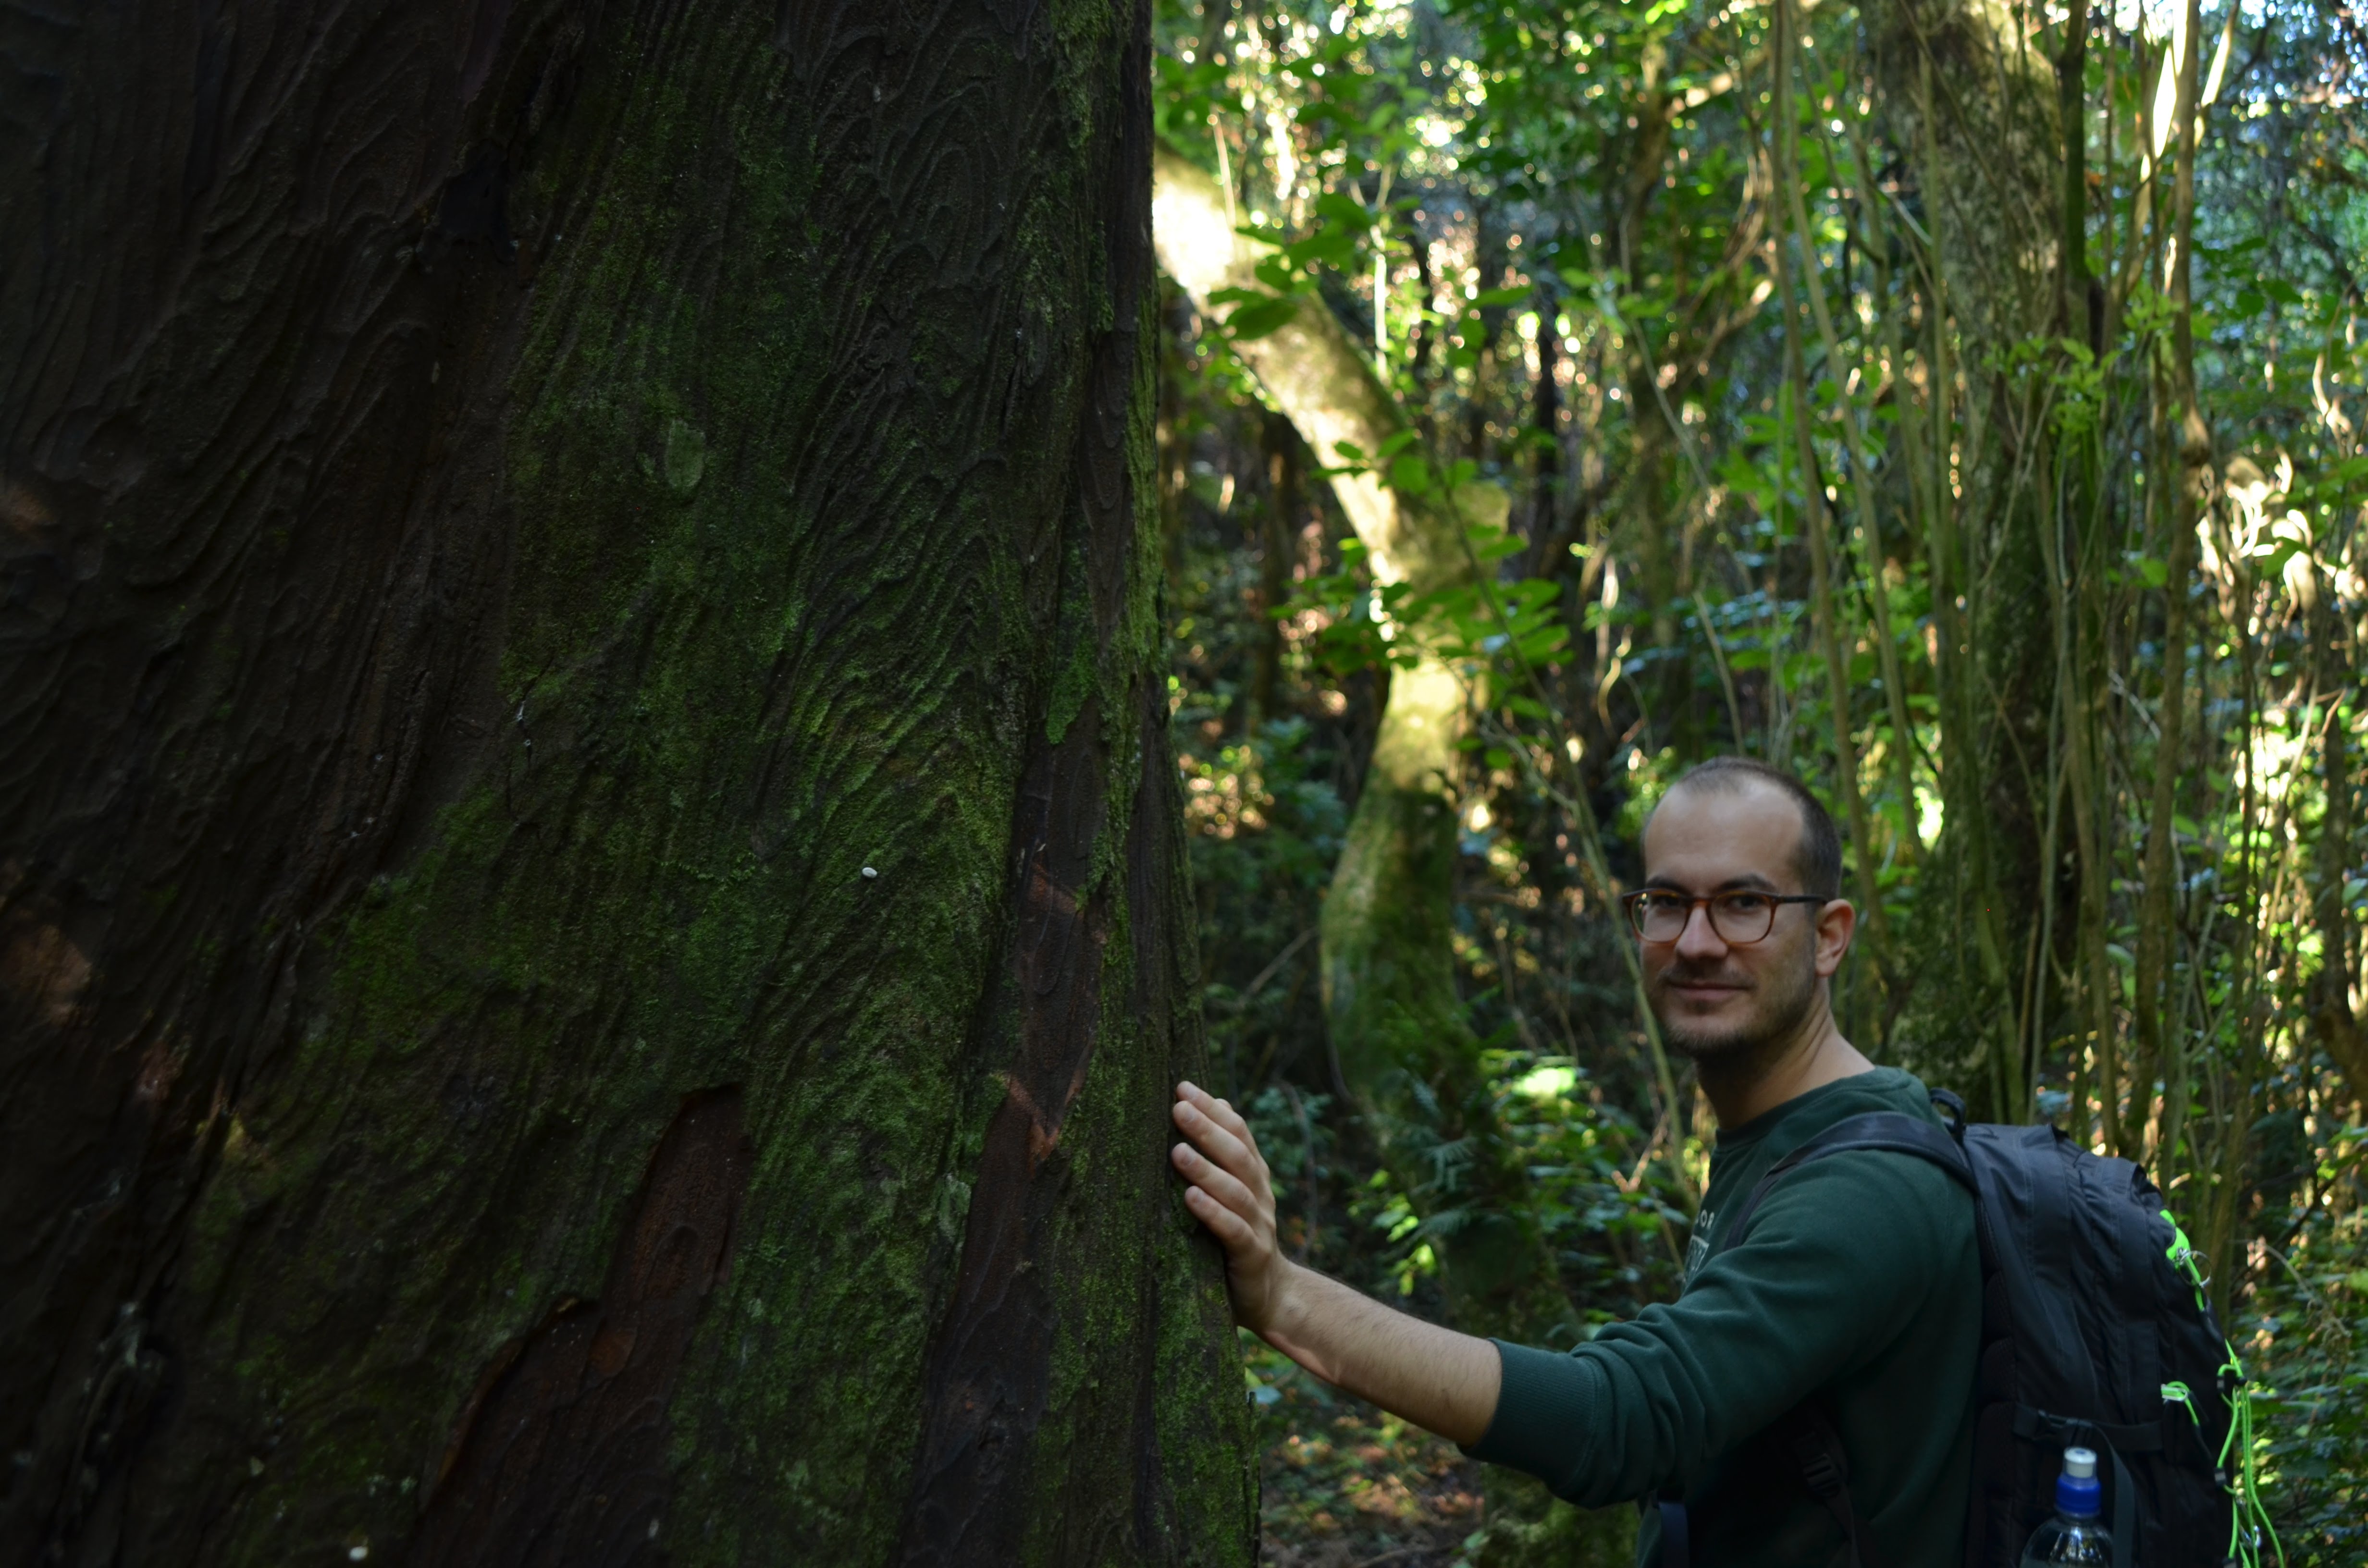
column 1236, row 1151
column 1219, row 1111
column 1217, row 1181
column 1227, row 1191
column 1230, row 1229
column 1215, row 1119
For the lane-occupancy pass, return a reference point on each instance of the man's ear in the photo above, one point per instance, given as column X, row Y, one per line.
column 1837, row 924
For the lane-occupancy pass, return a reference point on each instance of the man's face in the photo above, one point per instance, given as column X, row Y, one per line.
column 1716, row 999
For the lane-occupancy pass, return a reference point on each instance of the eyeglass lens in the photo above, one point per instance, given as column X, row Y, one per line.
column 1738, row 918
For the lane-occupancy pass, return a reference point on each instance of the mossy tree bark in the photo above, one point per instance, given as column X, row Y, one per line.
column 592, row 934
column 1389, row 963
column 1970, row 93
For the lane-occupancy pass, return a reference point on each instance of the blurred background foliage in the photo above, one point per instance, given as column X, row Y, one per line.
column 1959, row 403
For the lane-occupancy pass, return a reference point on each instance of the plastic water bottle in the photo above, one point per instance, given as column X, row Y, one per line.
column 2072, row 1535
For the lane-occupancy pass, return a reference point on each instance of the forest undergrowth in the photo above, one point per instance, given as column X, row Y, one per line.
column 1960, row 406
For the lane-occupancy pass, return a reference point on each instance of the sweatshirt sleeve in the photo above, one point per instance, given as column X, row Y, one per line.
column 1840, row 1257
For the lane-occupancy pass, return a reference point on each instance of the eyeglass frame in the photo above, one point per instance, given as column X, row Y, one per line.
column 1633, row 903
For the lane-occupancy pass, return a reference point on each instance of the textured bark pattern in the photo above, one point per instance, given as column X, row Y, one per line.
column 1990, row 192
column 1996, row 216
column 564, row 561
column 560, row 1462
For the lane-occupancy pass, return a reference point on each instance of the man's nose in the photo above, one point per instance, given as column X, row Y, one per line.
column 1701, row 938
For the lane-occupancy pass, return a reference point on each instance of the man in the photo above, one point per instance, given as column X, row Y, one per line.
column 1858, row 1286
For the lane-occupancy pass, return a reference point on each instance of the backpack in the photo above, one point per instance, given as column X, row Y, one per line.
column 2095, row 1330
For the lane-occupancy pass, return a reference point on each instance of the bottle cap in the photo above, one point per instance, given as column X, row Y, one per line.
column 2078, row 1494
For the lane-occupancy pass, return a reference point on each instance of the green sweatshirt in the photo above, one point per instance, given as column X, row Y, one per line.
column 1859, row 1282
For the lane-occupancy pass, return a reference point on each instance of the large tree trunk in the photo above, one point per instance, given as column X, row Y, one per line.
column 1388, row 921
column 1973, row 106
column 591, row 926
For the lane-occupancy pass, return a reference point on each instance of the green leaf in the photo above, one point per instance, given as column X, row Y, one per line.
column 1260, row 318
column 1330, row 247
column 1540, row 646
column 1334, row 208
column 1410, row 474
column 1499, row 757
column 1513, row 294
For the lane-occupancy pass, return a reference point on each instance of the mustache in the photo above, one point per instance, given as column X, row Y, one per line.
column 1680, row 972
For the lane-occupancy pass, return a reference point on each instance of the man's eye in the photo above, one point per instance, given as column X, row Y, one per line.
column 1744, row 903
column 1662, row 903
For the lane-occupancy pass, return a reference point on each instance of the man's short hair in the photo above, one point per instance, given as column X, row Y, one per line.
column 1818, row 859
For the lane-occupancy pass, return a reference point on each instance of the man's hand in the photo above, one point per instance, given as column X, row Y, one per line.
column 1433, row 1376
column 1231, row 1194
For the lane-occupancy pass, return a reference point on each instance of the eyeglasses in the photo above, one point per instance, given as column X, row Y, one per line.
column 1739, row 916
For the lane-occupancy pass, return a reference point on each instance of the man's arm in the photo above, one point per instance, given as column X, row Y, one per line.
column 1433, row 1377
column 1848, row 1256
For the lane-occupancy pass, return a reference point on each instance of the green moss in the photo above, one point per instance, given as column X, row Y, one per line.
column 763, row 634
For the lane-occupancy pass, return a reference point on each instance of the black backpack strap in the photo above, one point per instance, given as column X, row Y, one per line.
column 1805, row 1430
column 1883, row 1132
column 1816, row 1450
column 1677, row 1537
column 2125, row 1511
column 2136, row 1437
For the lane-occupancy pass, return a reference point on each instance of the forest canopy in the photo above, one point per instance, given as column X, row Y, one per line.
column 1958, row 404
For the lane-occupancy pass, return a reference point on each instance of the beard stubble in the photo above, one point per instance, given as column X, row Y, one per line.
column 1782, row 997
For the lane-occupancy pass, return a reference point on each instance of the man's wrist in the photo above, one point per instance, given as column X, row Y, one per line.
column 1289, row 1326
column 1283, row 1300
